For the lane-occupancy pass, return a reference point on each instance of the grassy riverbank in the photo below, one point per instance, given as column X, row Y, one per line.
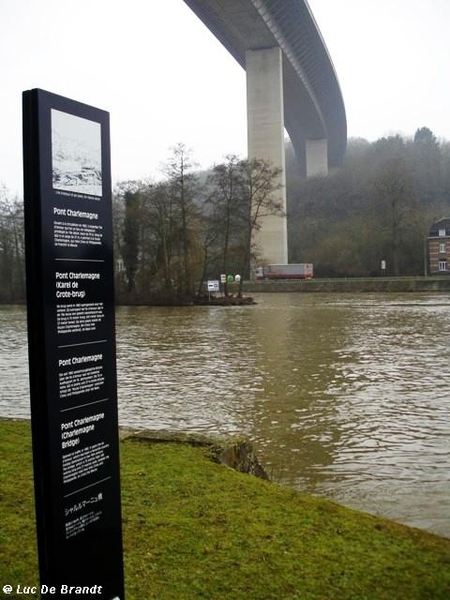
column 194, row 529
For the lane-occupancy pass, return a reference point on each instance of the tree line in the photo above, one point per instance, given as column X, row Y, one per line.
column 379, row 206
column 12, row 248
column 170, row 235
column 173, row 234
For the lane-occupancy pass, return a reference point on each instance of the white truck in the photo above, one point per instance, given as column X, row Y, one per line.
column 292, row 271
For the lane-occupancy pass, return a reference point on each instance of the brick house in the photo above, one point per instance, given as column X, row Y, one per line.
column 439, row 247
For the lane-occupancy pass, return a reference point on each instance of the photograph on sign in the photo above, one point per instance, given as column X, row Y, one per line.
column 76, row 154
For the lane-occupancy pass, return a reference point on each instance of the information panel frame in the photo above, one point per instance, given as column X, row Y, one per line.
column 71, row 341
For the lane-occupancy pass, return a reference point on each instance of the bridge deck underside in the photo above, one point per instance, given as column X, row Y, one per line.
column 313, row 105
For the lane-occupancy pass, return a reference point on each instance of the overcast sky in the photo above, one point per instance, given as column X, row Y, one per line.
column 165, row 79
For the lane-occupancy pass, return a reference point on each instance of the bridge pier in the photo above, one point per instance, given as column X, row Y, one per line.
column 316, row 157
column 265, row 118
column 265, row 131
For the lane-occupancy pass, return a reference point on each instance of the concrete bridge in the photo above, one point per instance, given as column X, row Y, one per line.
column 291, row 84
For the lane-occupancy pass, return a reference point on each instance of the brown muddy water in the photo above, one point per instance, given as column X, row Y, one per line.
column 344, row 396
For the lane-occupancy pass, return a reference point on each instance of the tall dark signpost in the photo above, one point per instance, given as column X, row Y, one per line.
column 68, row 221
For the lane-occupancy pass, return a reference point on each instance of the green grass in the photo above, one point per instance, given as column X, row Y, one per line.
column 194, row 529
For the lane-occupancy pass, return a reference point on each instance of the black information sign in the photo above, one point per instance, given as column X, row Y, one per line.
column 70, row 299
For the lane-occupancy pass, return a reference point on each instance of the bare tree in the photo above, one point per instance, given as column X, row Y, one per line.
column 225, row 200
column 12, row 250
column 260, row 182
column 242, row 193
column 131, row 237
column 183, row 184
column 396, row 198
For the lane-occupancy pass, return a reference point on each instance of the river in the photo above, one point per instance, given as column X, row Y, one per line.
column 344, row 396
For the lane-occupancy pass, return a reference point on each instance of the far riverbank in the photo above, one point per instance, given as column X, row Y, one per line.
column 345, row 285
column 352, row 285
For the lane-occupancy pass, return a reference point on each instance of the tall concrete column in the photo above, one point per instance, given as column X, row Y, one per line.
column 265, row 117
column 316, row 157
